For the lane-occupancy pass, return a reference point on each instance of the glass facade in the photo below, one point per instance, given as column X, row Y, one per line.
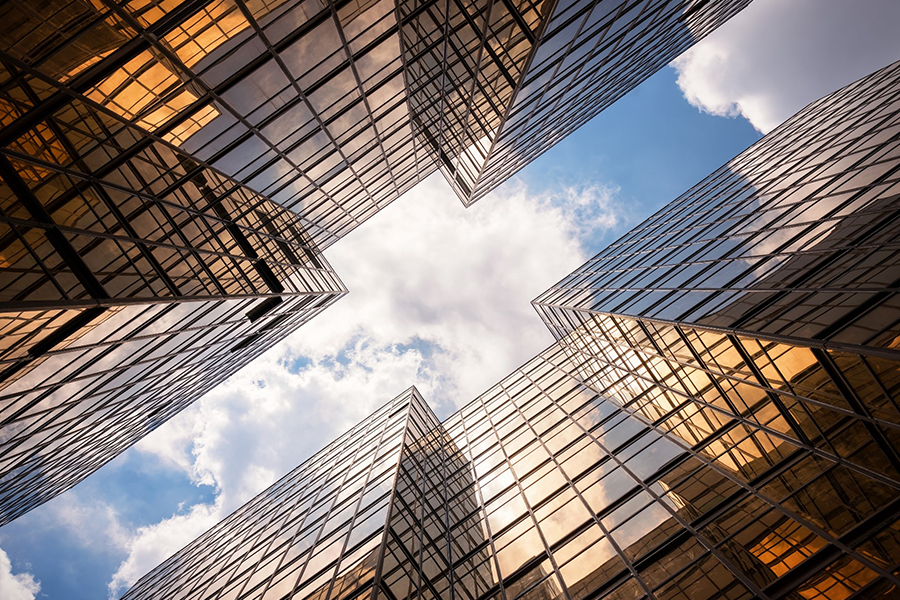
column 301, row 101
column 133, row 280
column 756, row 319
column 718, row 418
column 519, row 76
column 549, row 486
column 794, row 239
column 170, row 171
column 333, row 108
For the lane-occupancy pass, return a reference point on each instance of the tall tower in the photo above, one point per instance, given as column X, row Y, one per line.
column 757, row 317
column 133, row 280
column 365, row 517
column 718, row 418
column 170, row 171
column 333, row 109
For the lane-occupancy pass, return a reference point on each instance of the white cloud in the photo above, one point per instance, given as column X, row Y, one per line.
column 16, row 587
column 154, row 543
column 775, row 57
column 94, row 524
column 439, row 297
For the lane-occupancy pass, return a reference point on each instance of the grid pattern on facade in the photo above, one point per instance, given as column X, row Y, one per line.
column 302, row 101
column 579, row 486
column 557, row 486
column 333, row 109
column 118, row 374
column 755, row 319
column 797, row 237
column 669, row 455
column 591, row 53
column 161, row 152
column 435, row 544
column 759, row 409
column 95, row 210
column 464, row 61
column 133, row 280
column 540, row 71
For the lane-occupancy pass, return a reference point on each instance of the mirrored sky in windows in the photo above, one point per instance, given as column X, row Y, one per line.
column 439, row 295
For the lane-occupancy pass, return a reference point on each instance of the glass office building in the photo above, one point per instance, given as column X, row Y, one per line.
column 757, row 318
column 514, row 78
column 548, row 487
column 335, row 108
column 133, row 280
column 170, row 171
column 718, row 419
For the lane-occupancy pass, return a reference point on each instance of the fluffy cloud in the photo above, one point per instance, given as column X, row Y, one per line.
column 93, row 523
column 439, row 297
column 16, row 587
column 152, row 544
column 775, row 57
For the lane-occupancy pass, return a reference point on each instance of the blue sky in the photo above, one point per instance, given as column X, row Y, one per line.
column 440, row 294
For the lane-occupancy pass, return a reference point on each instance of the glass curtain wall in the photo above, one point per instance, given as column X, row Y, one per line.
column 133, row 280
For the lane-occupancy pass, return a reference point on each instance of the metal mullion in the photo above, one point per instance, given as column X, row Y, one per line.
column 417, row 146
column 773, row 433
column 215, row 94
column 773, row 397
column 61, row 38
column 885, row 353
column 504, row 115
column 54, row 236
column 352, row 518
column 75, row 304
column 443, row 8
column 711, row 547
column 365, row 101
column 478, row 57
column 96, row 73
column 489, row 537
column 879, row 383
column 16, row 235
column 122, row 158
column 281, row 111
column 753, row 487
column 818, row 561
column 846, row 390
column 302, row 94
column 299, row 497
column 521, row 491
column 133, row 336
column 179, row 231
column 379, row 566
column 100, row 191
column 571, row 485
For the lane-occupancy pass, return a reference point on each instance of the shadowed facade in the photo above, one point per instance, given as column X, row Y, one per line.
column 718, row 418
column 170, row 171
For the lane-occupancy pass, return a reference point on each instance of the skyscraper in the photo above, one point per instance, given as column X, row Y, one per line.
column 133, row 280
column 718, row 418
column 333, row 109
column 166, row 162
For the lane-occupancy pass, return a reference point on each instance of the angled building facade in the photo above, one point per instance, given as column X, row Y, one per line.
column 171, row 171
column 133, row 280
column 333, row 109
column 756, row 318
column 718, row 418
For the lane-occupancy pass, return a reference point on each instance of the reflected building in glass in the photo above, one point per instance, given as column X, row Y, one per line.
column 133, row 278
column 172, row 169
column 366, row 515
column 757, row 319
column 718, row 418
column 333, row 109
